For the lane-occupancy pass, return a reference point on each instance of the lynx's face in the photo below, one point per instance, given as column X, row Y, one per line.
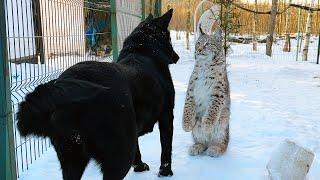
column 208, row 46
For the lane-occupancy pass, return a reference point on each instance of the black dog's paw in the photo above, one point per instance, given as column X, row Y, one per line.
column 140, row 167
column 165, row 170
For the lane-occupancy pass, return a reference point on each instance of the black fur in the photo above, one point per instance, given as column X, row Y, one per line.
column 97, row 110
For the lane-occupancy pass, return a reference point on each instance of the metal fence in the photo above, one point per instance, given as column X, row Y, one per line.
column 240, row 21
column 39, row 39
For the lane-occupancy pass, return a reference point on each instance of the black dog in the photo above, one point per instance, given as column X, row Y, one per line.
column 97, row 110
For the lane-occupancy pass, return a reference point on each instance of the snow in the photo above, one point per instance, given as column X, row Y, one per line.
column 273, row 99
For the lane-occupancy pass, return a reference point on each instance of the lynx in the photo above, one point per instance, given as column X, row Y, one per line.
column 207, row 105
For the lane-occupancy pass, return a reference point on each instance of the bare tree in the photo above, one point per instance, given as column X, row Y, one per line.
column 150, row 7
column 188, row 24
column 308, row 34
column 272, row 25
column 287, row 43
column 255, row 22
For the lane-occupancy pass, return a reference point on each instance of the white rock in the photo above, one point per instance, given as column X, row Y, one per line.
column 289, row 162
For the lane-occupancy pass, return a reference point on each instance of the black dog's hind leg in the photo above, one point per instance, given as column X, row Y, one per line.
column 138, row 165
column 166, row 133
column 72, row 159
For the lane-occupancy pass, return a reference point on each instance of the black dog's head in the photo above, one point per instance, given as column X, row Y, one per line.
column 152, row 37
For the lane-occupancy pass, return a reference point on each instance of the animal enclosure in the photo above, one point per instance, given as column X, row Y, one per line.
column 42, row 38
column 249, row 19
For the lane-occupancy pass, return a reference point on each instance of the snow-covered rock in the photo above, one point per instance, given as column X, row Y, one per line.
column 289, row 161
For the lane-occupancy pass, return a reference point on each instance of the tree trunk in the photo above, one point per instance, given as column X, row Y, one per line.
column 307, row 35
column 287, row 43
column 272, row 25
column 151, row 6
column 188, row 24
column 169, row 5
column 255, row 22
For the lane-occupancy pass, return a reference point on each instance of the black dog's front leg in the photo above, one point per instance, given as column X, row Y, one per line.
column 138, row 165
column 166, row 133
column 72, row 159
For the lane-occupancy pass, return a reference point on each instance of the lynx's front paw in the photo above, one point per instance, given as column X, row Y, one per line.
column 187, row 125
column 207, row 125
column 197, row 149
column 214, row 151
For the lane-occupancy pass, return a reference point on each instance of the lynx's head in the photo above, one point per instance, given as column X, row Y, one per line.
column 209, row 46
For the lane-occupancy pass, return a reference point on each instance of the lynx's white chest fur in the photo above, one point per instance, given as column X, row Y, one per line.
column 202, row 87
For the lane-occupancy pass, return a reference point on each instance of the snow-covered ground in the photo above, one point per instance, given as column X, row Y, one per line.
column 272, row 100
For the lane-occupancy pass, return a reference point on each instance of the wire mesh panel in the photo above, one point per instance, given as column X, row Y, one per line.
column 97, row 22
column 45, row 37
column 63, row 20
column 128, row 17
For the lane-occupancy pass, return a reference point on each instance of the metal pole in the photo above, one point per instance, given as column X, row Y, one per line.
column 318, row 36
column 143, row 10
column 7, row 152
column 318, row 48
column 114, row 30
column 157, row 8
column 298, row 35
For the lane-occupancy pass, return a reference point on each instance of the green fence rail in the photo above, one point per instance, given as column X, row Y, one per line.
column 7, row 156
column 114, row 30
column 39, row 39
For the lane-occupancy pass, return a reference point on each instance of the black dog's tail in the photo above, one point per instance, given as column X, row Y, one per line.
column 34, row 113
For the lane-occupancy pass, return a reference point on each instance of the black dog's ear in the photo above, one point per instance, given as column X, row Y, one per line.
column 165, row 19
column 149, row 18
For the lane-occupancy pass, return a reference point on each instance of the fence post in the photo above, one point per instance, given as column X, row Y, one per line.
column 143, row 10
column 298, row 34
column 7, row 152
column 157, row 8
column 114, row 30
column 318, row 49
column 318, row 54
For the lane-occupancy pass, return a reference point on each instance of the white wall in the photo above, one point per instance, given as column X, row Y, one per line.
column 20, row 28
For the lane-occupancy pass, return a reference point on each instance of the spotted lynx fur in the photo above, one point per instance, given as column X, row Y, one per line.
column 207, row 105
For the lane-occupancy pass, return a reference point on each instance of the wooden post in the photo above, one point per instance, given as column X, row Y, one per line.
column 38, row 31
